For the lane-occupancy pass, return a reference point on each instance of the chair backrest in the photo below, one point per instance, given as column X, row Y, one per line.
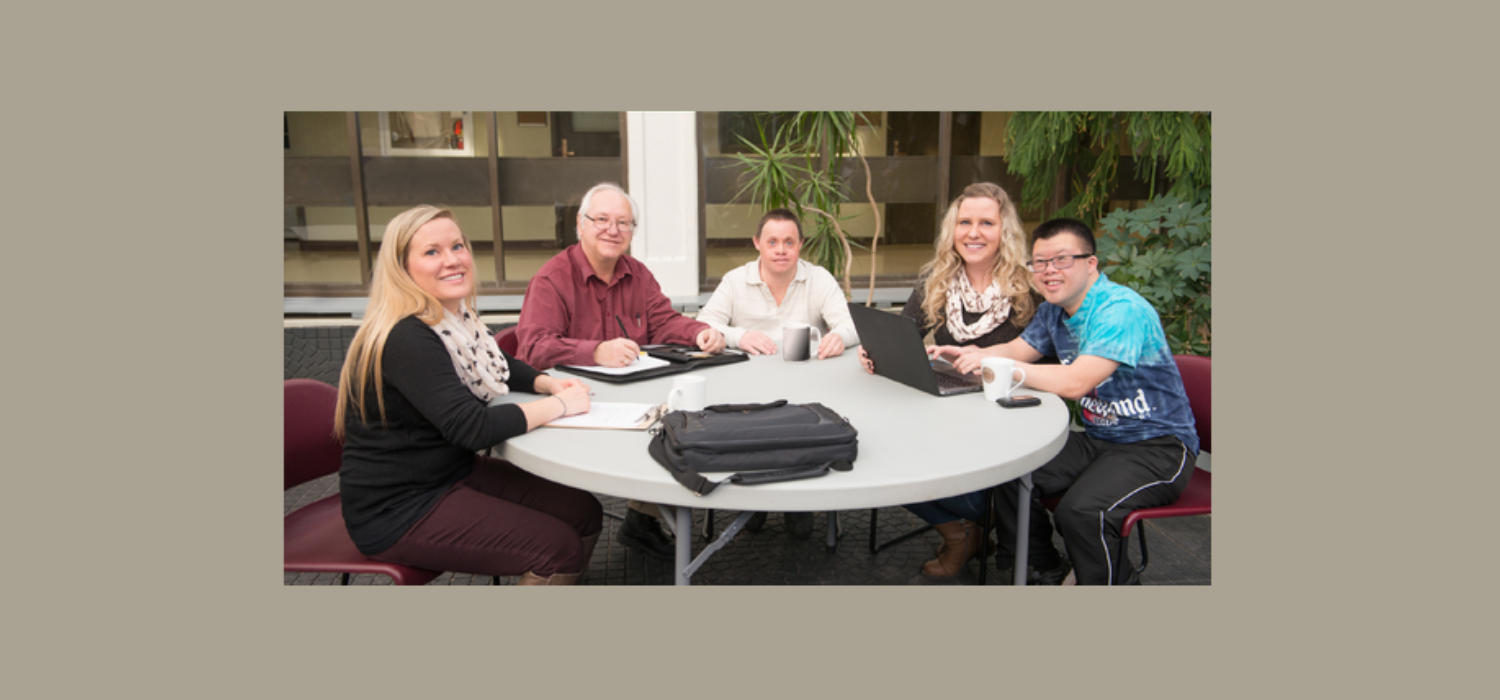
column 310, row 450
column 506, row 339
column 1197, row 380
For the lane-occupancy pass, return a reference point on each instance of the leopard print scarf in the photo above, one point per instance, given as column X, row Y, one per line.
column 476, row 358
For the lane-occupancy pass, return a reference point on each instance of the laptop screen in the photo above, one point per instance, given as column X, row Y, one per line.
column 894, row 344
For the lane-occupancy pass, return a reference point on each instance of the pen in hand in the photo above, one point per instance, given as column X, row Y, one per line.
column 622, row 326
column 641, row 353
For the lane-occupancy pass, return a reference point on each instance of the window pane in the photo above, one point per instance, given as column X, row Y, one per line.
column 531, row 238
column 547, row 160
column 523, row 135
column 727, row 229
column 318, row 233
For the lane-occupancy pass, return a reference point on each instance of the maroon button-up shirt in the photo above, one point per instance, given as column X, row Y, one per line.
column 568, row 311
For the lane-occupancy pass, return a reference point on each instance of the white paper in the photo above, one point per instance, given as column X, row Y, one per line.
column 641, row 364
column 609, row 414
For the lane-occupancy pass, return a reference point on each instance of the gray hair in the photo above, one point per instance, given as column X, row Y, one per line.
column 588, row 197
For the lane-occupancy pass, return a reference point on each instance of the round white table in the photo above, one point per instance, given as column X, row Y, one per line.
column 913, row 446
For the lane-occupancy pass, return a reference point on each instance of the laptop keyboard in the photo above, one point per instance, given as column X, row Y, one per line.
column 948, row 379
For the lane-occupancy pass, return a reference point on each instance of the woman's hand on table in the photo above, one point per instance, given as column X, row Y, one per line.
column 548, row 384
column 561, row 396
column 573, row 394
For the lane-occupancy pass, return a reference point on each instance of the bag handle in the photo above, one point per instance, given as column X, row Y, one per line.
column 775, row 475
column 739, row 407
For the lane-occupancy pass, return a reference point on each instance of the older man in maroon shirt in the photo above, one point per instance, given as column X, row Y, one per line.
column 593, row 304
column 578, row 302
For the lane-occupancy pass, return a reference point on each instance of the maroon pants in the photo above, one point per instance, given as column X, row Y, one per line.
column 502, row 521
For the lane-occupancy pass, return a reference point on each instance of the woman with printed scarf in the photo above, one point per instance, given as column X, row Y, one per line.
column 414, row 410
column 976, row 290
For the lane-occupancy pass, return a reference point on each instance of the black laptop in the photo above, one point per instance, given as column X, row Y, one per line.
column 894, row 343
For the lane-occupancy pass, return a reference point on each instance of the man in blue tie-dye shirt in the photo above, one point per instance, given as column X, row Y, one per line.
column 1139, row 442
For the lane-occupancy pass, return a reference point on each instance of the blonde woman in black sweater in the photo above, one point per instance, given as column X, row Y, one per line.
column 413, row 412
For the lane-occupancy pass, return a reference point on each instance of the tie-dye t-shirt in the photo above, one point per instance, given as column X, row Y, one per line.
column 1144, row 397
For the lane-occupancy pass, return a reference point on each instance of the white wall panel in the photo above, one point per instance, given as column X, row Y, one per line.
column 664, row 181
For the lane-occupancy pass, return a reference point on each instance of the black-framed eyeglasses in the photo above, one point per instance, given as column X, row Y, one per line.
column 1060, row 262
column 603, row 223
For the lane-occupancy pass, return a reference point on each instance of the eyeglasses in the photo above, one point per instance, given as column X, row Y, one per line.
column 603, row 223
column 1061, row 262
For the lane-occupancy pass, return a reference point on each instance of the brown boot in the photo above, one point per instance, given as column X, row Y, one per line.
column 531, row 579
column 960, row 544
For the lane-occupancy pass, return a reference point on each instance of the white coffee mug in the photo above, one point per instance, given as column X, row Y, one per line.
column 997, row 373
column 799, row 341
column 689, row 393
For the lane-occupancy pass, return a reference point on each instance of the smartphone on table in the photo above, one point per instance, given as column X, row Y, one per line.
column 1018, row 401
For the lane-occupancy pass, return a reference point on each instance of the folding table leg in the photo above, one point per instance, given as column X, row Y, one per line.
column 898, row 539
column 1023, row 529
column 986, row 520
column 684, row 543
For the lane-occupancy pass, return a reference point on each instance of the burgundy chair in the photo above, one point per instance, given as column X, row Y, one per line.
column 506, row 339
column 1197, row 498
column 314, row 538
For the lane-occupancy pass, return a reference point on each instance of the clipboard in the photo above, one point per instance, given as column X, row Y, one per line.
column 608, row 415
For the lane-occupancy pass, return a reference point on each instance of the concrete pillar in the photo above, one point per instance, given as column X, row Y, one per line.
column 663, row 160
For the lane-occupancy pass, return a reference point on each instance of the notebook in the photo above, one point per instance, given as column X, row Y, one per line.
column 894, row 343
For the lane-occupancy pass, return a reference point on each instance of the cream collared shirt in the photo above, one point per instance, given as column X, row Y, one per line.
column 743, row 303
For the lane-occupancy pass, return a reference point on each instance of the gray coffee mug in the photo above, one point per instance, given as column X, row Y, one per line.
column 799, row 341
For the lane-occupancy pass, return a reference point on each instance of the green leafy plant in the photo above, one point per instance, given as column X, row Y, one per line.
column 797, row 165
column 1163, row 251
column 1069, row 162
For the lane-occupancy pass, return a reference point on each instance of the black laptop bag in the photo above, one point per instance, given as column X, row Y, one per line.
column 760, row 443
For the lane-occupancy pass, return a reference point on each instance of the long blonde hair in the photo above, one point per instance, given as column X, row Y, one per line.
column 1011, row 267
column 393, row 296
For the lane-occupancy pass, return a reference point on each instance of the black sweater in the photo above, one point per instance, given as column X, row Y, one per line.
column 392, row 474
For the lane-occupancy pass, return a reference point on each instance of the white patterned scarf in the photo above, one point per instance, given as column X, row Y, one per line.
column 962, row 297
column 476, row 357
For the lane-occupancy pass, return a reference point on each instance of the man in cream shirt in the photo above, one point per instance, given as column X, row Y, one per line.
column 755, row 300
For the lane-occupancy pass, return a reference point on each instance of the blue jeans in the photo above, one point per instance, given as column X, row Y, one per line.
column 968, row 506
